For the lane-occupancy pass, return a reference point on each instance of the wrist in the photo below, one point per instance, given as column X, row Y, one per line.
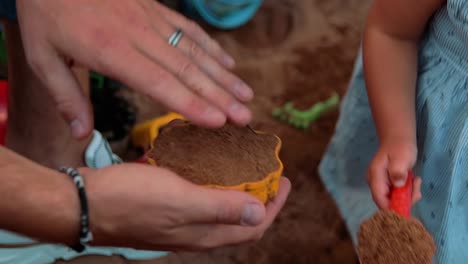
column 96, row 197
column 84, row 235
column 398, row 134
column 63, row 200
column 398, row 139
column 41, row 202
column 400, row 144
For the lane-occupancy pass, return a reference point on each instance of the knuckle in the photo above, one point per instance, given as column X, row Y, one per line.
column 160, row 76
column 198, row 88
column 173, row 220
column 159, row 81
column 65, row 105
column 227, row 213
column 195, row 52
column 103, row 39
column 187, row 69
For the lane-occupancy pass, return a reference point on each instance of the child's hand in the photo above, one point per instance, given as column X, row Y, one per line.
column 389, row 168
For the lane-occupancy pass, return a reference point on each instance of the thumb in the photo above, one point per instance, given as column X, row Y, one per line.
column 66, row 92
column 214, row 206
column 398, row 171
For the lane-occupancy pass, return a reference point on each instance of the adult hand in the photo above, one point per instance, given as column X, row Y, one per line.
column 128, row 41
column 147, row 207
column 390, row 167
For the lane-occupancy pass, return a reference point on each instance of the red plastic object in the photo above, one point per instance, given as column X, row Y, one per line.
column 400, row 199
column 3, row 110
column 143, row 159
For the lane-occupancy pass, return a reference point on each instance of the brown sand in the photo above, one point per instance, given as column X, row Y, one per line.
column 387, row 238
column 226, row 156
column 304, row 63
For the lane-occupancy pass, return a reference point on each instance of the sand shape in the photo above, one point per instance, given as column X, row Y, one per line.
column 227, row 156
column 387, row 238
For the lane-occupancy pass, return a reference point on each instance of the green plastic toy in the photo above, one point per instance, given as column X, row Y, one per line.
column 302, row 119
column 98, row 79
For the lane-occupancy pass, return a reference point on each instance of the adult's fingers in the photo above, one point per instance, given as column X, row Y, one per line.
column 151, row 79
column 64, row 89
column 206, row 236
column 191, row 73
column 226, row 79
column 191, row 46
column 211, row 206
column 377, row 178
column 196, row 33
column 239, row 234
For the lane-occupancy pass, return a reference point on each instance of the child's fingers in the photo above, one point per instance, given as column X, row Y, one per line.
column 416, row 195
column 398, row 168
column 377, row 179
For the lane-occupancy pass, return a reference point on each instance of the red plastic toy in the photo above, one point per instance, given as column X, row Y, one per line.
column 400, row 200
column 3, row 110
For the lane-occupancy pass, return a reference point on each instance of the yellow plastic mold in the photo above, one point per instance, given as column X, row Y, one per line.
column 144, row 133
column 264, row 190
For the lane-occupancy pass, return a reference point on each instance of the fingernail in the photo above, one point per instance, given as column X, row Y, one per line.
column 243, row 91
column 77, row 128
column 240, row 111
column 228, row 61
column 252, row 215
column 399, row 183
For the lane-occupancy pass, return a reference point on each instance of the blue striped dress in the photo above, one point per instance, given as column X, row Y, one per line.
column 442, row 132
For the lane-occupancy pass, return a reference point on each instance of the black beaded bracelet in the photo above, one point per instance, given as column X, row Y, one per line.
column 85, row 235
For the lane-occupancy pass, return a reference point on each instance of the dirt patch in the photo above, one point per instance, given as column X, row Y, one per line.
column 226, row 156
column 387, row 238
column 270, row 28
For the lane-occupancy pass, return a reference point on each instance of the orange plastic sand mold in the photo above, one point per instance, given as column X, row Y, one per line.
column 265, row 189
column 144, row 133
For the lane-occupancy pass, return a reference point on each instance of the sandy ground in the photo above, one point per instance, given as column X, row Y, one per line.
column 300, row 51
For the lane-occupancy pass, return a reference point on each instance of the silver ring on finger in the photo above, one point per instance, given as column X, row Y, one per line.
column 175, row 38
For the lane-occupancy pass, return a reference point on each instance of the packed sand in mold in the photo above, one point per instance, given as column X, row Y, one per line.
column 226, row 156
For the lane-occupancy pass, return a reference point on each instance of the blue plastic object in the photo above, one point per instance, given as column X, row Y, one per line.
column 223, row 14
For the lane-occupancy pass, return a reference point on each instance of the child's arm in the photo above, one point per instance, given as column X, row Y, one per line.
column 392, row 35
